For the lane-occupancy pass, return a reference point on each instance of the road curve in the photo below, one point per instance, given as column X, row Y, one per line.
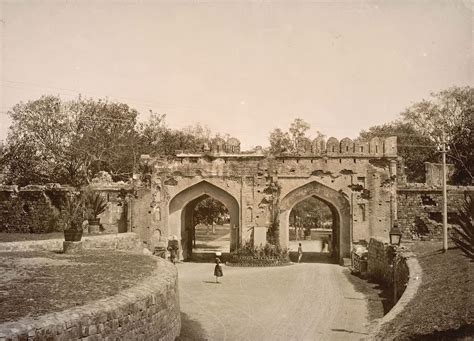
column 305, row 301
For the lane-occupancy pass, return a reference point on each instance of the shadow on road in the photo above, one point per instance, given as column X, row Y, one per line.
column 378, row 298
column 191, row 330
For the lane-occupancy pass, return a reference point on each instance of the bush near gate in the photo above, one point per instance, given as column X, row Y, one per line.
column 262, row 255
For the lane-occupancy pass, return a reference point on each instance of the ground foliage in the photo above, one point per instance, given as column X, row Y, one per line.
column 248, row 251
column 36, row 283
column 444, row 302
column 463, row 234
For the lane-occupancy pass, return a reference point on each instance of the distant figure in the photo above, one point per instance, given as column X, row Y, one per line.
column 218, row 270
column 300, row 252
column 173, row 249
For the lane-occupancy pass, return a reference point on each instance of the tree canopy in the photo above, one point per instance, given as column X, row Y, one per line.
column 420, row 131
column 70, row 142
column 292, row 141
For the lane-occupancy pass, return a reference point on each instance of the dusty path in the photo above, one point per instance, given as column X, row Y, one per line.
column 299, row 302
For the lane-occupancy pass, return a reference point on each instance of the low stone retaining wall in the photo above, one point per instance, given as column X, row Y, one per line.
column 401, row 271
column 414, row 282
column 120, row 241
column 148, row 311
column 386, row 265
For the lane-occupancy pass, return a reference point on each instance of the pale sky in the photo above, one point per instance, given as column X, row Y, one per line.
column 239, row 67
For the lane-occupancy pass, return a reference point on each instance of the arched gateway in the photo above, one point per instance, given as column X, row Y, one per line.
column 181, row 208
column 338, row 204
column 352, row 178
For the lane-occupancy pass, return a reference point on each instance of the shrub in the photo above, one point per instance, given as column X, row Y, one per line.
column 463, row 234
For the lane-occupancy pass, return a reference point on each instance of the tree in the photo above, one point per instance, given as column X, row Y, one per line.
column 208, row 211
column 421, row 127
column 155, row 138
column 448, row 114
column 298, row 131
column 69, row 142
column 293, row 141
column 280, row 142
column 413, row 147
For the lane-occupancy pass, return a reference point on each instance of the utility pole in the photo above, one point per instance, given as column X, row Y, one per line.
column 445, row 196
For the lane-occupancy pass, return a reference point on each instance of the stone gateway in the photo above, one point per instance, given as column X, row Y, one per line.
column 356, row 179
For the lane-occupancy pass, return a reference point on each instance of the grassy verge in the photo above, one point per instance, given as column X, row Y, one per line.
column 17, row 237
column 443, row 307
column 36, row 283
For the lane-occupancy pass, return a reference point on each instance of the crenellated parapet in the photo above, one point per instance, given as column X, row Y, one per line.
column 377, row 146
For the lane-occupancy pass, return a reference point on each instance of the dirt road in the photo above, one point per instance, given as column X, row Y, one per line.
column 299, row 302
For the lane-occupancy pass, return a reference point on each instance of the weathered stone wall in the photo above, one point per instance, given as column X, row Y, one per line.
column 122, row 241
column 420, row 209
column 354, row 176
column 388, row 266
column 148, row 311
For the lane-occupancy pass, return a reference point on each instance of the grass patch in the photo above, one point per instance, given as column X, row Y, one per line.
column 37, row 283
column 443, row 307
column 17, row 237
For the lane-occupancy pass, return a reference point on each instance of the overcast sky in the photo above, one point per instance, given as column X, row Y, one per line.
column 240, row 67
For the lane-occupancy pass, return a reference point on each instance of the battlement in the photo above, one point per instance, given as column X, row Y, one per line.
column 377, row 146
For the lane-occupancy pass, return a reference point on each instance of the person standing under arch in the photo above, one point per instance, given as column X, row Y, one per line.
column 300, row 252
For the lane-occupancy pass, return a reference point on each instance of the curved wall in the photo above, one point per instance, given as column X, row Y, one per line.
column 148, row 311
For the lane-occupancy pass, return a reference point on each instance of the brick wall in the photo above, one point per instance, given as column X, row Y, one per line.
column 420, row 209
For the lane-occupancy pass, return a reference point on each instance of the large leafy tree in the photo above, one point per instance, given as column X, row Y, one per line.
column 413, row 147
column 449, row 115
column 422, row 126
column 155, row 138
column 292, row 141
column 68, row 142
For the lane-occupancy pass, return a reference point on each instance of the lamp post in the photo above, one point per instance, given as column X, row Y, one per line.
column 395, row 235
column 395, row 239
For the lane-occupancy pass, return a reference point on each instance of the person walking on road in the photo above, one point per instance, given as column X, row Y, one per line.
column 300, row 252
column 218, row 270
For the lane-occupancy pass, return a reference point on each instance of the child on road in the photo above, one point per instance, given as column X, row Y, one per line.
column 218, row 270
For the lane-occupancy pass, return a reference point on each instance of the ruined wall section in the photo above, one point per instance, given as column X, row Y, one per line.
column 360, row 180
column 420, row 209
column 244, row 178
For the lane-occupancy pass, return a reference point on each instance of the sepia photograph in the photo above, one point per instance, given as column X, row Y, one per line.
column 236, row 170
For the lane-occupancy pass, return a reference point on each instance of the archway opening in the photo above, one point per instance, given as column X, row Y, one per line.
column 311, row 224
column 210, row 226
column 183, row 218
column 339, row 245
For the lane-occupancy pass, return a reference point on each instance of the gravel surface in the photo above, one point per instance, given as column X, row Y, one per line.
column 305, row 301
